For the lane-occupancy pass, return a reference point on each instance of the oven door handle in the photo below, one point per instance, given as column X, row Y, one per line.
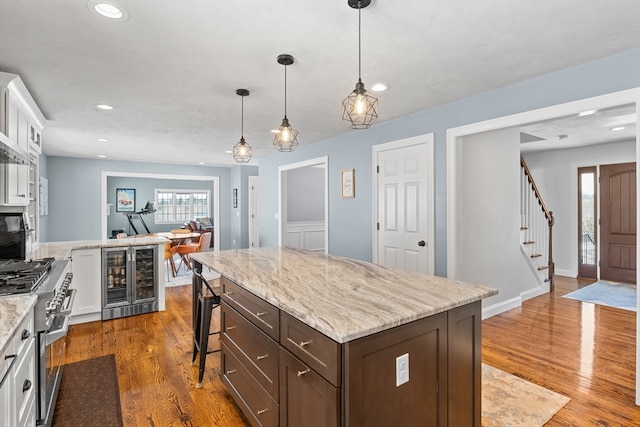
column 6, row 374
column 54, row 335
column 69, row 298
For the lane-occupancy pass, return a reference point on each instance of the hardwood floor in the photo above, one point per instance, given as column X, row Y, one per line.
column 153, row 357
column 584, row 351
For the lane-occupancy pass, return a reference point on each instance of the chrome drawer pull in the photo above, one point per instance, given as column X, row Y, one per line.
column 261, row 313
column 264, row 356
column 262, row 411
column 305, row 343
column 301, row 373
column 229, row 372
column 229, row 328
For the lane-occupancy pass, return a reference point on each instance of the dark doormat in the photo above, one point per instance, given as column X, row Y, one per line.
column 89, row 394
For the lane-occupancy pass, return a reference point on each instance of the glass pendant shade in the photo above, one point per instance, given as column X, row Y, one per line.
column 285, row 138
column 359, row 109
column 242, row 150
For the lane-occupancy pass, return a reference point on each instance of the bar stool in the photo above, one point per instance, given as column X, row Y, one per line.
column 205, row 299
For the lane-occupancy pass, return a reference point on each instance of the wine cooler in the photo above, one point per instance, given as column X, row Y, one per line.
column 129, row 281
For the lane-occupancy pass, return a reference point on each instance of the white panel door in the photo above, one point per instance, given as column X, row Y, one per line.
column 403, row 240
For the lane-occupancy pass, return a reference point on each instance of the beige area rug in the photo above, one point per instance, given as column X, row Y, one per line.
column 509, row 401
column 184, row 275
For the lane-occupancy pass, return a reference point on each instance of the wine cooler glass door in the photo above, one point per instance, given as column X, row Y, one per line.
column 116, row 272
column 144, row 273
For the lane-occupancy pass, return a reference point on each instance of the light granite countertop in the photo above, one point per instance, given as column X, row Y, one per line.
column 61, row 250
column 13, row 310
column 342, row 298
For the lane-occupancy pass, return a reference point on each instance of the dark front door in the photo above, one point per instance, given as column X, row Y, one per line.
column 618, row 222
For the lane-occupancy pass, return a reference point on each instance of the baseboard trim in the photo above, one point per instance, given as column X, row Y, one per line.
column 535, row 292
column 565, row 273
column 501, row 307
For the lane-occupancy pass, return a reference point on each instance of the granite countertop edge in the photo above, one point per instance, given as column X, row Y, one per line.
column 62, row 250
column 13, row 310
column 365, row 305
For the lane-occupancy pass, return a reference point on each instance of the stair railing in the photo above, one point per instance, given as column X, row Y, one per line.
column 536, row 221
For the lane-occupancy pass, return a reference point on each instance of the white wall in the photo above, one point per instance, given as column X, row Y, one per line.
column 488, row 217
column 556, row 175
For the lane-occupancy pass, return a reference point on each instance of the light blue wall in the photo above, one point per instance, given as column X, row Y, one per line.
column 75, row 195
column 350, row 220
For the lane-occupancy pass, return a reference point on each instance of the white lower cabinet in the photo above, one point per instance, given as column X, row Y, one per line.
column 18, row 373
column 86, row 266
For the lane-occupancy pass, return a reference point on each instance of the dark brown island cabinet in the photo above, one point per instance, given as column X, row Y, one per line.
column 283, row 372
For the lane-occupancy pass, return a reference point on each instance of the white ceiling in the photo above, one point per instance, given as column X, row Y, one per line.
column 172, row 69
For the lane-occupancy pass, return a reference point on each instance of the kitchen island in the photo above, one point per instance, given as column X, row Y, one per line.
column 313, row 339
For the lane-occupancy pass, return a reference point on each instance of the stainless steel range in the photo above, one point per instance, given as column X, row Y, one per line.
column 50, row 281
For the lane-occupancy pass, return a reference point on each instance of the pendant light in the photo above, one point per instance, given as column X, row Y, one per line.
column 285, row 138
column 359, row 108
column 242, row 150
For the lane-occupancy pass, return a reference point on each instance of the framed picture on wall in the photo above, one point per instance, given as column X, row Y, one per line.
column 125, row 200
column 348, row 180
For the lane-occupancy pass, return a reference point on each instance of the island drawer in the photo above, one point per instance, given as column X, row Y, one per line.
column 254, row 400
column 254, row 348
column 259, row 312
column 318, row 351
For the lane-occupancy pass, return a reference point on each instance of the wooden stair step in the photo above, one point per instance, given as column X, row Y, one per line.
column 536, row 255
column 528, row 242
column 543, row 267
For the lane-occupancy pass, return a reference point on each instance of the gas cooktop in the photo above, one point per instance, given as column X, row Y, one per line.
column 17, row 276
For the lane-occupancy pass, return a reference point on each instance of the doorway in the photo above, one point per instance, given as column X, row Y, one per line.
column 303, row 201
column 254, row 228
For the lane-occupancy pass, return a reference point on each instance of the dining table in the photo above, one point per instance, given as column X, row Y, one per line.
column 176, row 240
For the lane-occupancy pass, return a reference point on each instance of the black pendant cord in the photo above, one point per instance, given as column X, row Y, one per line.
column 285, row 91
column 359, row 42
column 242, row 120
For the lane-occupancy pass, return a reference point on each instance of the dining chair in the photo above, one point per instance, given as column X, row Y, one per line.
column 169, row 252
column 186, row 249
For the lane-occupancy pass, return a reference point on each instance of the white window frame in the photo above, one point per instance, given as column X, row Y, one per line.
column 174, row 191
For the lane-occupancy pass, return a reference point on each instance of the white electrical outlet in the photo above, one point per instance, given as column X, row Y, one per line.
column 402, row 369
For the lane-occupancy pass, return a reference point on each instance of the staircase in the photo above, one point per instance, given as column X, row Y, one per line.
column 536, row 228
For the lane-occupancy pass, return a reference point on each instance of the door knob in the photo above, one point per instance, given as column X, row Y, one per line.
column 422, row 243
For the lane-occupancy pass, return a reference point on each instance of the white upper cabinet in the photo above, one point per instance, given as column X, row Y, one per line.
column 20, row 118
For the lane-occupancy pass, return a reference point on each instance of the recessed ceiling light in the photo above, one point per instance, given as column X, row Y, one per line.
column 587, row 113
column 103, row 140
column 379, row 87
column 102, row 156
column 108, row 9
column 104, row 107
column 201, row 163
column 617, row 128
